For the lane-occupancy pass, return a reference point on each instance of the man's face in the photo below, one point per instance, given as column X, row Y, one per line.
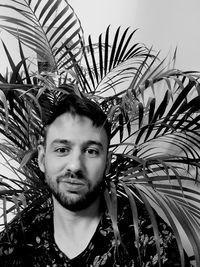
column 74, row 160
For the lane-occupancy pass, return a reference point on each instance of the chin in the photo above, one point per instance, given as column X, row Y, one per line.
column 77, row 203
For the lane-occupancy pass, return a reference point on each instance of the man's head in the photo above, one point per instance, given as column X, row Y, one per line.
column 82, row 106
column 74, row 157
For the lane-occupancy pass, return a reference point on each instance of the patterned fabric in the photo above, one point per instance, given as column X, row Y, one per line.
column 33, row 243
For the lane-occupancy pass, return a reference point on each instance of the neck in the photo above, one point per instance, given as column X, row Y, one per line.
column 64, row 217
column 74, row 230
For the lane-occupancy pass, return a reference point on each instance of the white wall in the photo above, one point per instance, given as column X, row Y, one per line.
column 165, row 24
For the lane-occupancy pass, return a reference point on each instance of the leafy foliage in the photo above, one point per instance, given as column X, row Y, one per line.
column 43, row 26
column 154, row 110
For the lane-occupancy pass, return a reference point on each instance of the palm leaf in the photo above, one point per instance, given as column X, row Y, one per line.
column 35, row 29
column 161, row 172
column 108, row 66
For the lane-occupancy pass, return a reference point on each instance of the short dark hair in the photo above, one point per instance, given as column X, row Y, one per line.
column 82, row 106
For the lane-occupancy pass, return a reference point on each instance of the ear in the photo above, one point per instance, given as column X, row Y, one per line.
column 108, row 163
column 41, row 156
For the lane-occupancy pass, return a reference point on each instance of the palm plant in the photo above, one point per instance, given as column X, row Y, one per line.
column 154, row 110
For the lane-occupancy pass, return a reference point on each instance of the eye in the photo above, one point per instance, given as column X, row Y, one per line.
column 62, row 150
column 91, row 152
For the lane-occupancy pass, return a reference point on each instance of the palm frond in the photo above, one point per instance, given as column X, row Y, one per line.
column 110, row 63
column 160, row 159
column 51, row 29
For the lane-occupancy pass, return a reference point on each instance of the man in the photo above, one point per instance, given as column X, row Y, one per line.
column 77, row 230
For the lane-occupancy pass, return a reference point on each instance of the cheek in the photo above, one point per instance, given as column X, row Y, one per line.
column 52, row 166
column 97, row 169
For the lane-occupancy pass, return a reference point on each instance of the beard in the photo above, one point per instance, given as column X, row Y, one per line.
column 74, row 201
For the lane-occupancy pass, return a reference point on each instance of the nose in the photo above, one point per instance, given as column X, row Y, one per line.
column 74, row 163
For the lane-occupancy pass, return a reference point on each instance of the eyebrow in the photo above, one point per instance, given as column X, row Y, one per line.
column 61, row 141
column 96, row 143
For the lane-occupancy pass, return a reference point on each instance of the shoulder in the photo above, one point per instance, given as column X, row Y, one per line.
column 22, row 235
column 138, row 231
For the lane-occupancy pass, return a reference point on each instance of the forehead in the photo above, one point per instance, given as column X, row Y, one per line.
column 75, row 128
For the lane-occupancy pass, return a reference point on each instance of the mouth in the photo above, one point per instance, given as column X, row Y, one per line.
column 72, row 185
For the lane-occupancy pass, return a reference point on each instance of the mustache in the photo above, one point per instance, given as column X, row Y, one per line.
column 71, row 175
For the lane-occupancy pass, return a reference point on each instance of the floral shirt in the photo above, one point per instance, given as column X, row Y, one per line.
column 32, row 244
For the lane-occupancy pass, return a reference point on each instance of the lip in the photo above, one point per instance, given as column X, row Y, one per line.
column 72, row 184
column 72, row 181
